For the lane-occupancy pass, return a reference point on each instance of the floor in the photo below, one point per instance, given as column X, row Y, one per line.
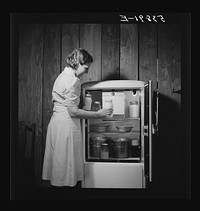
column 154, row 191
column 67, row 193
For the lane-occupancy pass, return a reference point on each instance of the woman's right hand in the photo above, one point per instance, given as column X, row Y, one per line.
column 104, row 112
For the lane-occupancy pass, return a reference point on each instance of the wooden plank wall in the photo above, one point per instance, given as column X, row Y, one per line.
column 51, row 69
column 30, row 84
column 110, row 51
column 90, row 39
column 170, row 135
column 148, row 53
column 120, row 51
column 69, row 40
column 129, row 51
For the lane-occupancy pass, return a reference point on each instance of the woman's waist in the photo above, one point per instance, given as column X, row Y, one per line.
column 61, row 110
column 63, row 119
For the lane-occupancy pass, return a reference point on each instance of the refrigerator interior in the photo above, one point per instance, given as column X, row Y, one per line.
column 109, row 128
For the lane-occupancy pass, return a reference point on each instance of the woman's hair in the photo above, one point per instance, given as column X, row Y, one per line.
column 78, row 56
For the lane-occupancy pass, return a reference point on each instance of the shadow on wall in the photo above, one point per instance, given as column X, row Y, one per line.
column 168, row 147
column 115, row 76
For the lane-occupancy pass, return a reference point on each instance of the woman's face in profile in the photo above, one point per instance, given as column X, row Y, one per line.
column 82, row 69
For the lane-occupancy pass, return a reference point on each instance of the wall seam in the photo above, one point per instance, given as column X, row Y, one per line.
column 138, row 45
column 61, row 59
column 101, row 55
column 119, row 51
column 42, row 116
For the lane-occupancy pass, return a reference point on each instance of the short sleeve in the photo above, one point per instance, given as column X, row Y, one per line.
column 66, row 90
column 71, row 94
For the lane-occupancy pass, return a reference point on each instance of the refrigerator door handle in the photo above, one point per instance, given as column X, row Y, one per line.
column 146, row 132
column 150, row 131
column 153, row 129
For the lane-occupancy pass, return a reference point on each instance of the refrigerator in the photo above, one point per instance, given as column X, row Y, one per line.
column 117, row 149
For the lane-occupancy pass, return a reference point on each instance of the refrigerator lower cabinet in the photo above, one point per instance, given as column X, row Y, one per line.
column 111, row 175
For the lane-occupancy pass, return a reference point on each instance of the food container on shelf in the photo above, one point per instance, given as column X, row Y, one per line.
column 96, row 106
column 134, row 109
column 100, row 128
column 96, row 142
column 120, row 147
column 124, row 128
column 87, row 102
column 135, row 150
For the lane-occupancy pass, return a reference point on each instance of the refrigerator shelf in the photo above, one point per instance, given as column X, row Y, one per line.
column 128, row 120
column 134, row 118
column 114, row 132
column 114, row 159
column 133, row 134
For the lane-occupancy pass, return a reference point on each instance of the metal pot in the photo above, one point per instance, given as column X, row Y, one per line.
column 120, row 147
column 124, row 128
column 98, row 138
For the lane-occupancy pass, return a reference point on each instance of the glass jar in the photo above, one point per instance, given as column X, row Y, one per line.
column 96, row 106
column 87, row 102
column 95, row 149
column 108, row 104
column 135, row 148
column 104, row 151
column 134, row 109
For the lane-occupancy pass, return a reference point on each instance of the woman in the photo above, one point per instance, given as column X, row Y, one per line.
column 63, row 158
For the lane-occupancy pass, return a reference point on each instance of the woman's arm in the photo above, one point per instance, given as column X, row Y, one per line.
column 83, row 114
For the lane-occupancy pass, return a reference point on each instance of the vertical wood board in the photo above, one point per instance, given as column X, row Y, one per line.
column 170, row 131
column 169, row 54
column 90, row 40
column 129, row 51
column 51, row 70
column 148, row 53
column 30, row 84
column 70, row 41
column 110, row 51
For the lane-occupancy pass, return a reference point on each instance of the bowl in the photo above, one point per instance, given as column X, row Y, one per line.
column 100, row 128
column 124, row 128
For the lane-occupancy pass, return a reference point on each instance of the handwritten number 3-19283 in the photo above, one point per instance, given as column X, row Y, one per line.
column 152, row 18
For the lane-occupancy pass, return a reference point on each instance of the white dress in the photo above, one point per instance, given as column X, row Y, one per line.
column 63, row 158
